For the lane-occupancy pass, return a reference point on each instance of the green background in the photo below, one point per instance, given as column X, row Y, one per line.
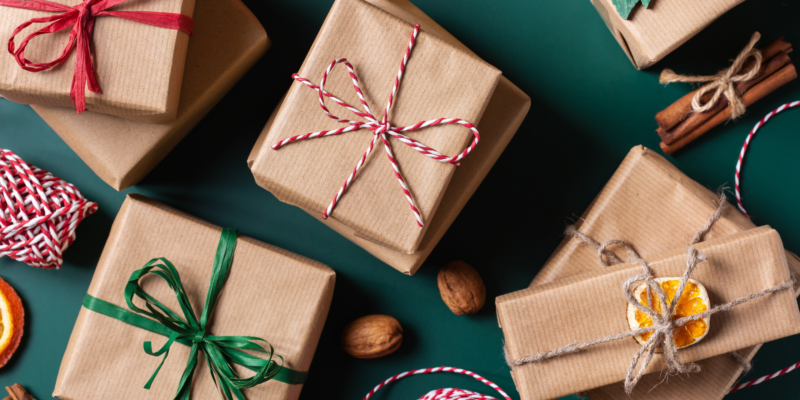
column 590, row 106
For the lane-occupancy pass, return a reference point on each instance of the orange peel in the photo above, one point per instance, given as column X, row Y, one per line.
column 12, row 322
column 693, row 300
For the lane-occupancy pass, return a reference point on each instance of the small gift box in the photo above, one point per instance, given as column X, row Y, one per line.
column 120, row 57
column 682, row 207
column 218, row 285
column 648, row 34
column 573, row 334
column 122, row 152
column 371, row 208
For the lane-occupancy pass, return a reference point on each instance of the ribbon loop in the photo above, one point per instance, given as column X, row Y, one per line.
column 221, row 352
column 379, row 128
column 81, row 18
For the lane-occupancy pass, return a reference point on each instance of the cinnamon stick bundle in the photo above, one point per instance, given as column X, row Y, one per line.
column 679, row 125
column 17, row 392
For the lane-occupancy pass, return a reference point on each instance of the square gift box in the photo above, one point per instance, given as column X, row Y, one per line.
column 270, row 293
column 373, row 212
column 649, row 34
column 122, row 152
column 683, row 206
column 139, row 67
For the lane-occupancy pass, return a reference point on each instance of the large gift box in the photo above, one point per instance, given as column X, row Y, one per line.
column 683, row 205
column 137, row 58
column 443, row 79
column 657, row 209
column 270, row 293
column 649, row 34
column 121, row 151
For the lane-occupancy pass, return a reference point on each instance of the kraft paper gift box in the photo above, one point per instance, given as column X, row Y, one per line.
column 666, row 211
column 227, row 42
column 373, row 213
column 270, row 293
column 591, row 306
column 139, row 67
column 649, row 34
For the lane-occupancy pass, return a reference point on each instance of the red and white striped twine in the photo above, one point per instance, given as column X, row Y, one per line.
column 747, row 144
column 38, row 213
column 765, row 378
column 445, row 394
column 380, row 129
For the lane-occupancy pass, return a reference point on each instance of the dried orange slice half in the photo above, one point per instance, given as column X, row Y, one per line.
column 12, row 321
column 694, row 300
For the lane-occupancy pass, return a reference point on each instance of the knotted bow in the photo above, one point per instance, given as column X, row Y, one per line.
column 81, row 18
column 220, row 351
column 663, row 325
column 723, row 82
column 380, row 129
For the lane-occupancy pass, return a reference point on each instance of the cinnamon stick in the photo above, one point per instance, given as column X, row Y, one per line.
column 696, row 119
column 767, row 86
column 17, row 392
column 678, row 111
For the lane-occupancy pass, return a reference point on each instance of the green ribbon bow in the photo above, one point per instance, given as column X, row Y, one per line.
column 220, row 351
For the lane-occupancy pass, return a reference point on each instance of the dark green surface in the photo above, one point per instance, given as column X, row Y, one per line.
column 590, row 106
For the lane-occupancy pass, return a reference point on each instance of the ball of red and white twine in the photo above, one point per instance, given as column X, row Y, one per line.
column 38, row 213
column 445, row 394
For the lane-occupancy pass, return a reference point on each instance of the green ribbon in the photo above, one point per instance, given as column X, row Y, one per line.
column 220, row 351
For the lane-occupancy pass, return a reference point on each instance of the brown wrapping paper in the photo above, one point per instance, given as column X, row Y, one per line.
column 660, row 186
column 441, row 80
column 502, row 118
column 139, row 67
column 270, row 293
column 590, row 306
column 648, row 35
column 122, row 152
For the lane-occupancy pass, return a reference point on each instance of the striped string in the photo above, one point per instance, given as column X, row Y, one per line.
column 445, row 394
column 747, row 145
column 379, row 128
column 765, row 378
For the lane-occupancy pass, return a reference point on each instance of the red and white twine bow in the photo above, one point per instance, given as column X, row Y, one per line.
column 38, row 213
column 81, row 18
column 445, row 394
column 379, row 128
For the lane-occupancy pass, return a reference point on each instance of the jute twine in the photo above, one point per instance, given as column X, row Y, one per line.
column 723, row 82
column 663, row 325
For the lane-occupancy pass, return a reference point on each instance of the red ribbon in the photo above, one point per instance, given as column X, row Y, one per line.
column 81, row 18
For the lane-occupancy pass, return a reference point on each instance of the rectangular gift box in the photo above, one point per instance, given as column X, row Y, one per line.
column 122, row 152
column 270, row 293
column 385, row 209
column 649, row 34
column 139, row 67
column 590, row 306
column 682, row 207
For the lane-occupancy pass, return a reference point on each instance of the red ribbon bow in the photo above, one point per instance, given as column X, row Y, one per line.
column 81, row 18
column 380, row 128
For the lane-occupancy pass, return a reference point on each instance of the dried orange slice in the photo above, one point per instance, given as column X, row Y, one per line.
column 694, row 300
column 12, row 321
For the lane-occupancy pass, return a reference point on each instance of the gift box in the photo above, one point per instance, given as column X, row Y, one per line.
column 683, row 206
column 138, row 66
column 649, row 34
column 590, row 307
column 270, row 293
column 122, row 152
column 374, row 213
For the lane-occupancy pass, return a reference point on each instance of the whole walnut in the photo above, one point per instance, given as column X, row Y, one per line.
column 372, row 336
column 461, row 288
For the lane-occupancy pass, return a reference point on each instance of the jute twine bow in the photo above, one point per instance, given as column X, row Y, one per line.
column 379, row 128
column 723, row 82
column 81, row 18
column 663, row 325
